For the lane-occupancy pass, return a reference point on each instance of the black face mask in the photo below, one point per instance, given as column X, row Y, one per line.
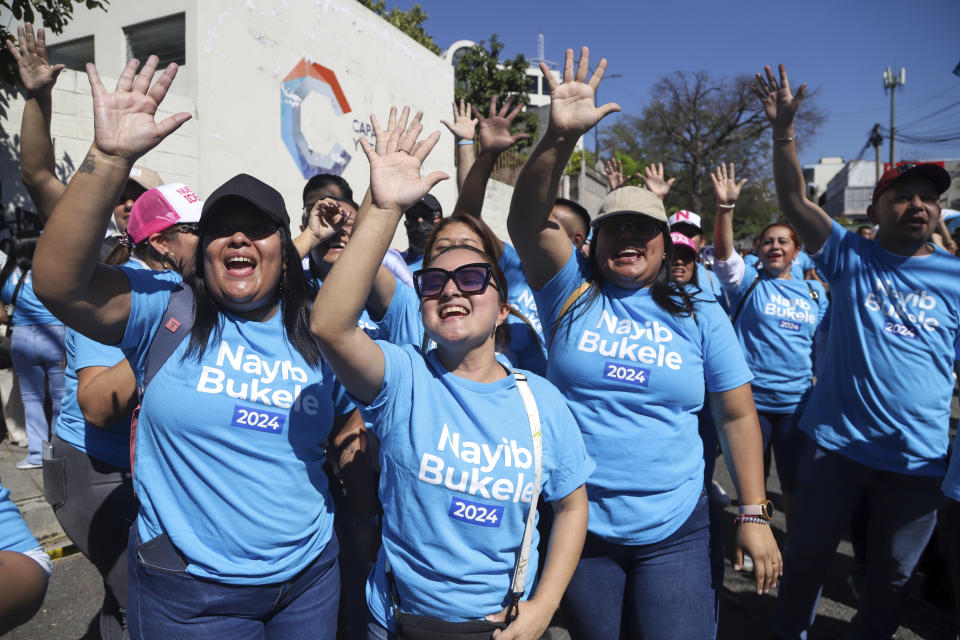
column 417, row 234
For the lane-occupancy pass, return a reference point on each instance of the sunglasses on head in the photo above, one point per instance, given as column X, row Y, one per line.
column 192, row 228
column 470, row 279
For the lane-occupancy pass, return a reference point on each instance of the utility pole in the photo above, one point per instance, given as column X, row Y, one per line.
column 891, row 82
column 876, row 139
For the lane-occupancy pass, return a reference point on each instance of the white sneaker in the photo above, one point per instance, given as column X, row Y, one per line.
column 24, row 464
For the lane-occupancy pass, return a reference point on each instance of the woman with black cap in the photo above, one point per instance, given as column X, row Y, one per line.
column 633, row 352
column 234, row 533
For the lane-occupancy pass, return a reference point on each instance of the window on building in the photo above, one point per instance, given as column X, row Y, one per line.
column 163, row 37
column 74, row 53
column 533, row 84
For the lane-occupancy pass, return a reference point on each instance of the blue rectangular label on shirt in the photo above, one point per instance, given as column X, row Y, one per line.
column 898, row 329
column 257, row 419
column 484, row 515
column 626, row 373
column 792, row 326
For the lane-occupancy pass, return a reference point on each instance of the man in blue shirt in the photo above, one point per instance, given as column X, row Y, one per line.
column 878, row 417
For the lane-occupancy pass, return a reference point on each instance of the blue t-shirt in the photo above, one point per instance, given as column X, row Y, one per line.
column 229, row 457
column 634, row 377
column 708, row 283
column 883, row 398
column 456, row 483
column 111, row 445
column 15, row 535
column 364, row 321
column 414, row 262
column 525, row 349
column 776, row 327
column 28, row 309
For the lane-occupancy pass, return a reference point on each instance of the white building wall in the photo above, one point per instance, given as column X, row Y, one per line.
column 238, row 53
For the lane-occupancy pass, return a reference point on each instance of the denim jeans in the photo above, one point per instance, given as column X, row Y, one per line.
column 95, row 505
column 902, row 514
column 38, row 356
column 788, row 442
column 664, row 590
column 170, row 604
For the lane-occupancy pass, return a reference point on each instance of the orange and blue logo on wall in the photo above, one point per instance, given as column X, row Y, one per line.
column 304, row 79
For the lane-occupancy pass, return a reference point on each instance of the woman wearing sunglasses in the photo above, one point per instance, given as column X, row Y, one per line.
column 457, row 451
column 777, row 316
column 633, row 354
column 233, row 537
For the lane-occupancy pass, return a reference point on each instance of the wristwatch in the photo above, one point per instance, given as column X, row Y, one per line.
column 763, row 510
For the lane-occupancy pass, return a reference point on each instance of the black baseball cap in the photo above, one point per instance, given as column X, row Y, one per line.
column 262, row 196
column 426, row 202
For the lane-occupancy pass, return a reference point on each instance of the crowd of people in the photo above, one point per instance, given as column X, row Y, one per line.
column 265, row 436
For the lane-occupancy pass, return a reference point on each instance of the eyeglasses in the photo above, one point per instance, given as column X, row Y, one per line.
column 470, row 279
column 636, row 225
column 192, row 228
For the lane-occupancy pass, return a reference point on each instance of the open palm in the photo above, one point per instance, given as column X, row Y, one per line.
column 124, row 122
column 779, row 103
column 395, row 180
column 36, row 72
column 495, row 128
column 573, row 111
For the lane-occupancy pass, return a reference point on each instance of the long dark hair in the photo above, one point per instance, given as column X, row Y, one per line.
column 19, row 254
column 668, row 294
column 295, row 294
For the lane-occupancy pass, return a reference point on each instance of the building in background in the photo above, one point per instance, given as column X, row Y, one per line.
column 279, row 90
column 818, row 176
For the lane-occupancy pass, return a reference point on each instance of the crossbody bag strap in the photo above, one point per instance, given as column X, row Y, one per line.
column 519, row 584
column 814, row 295
column 572, row 298
column 743, row 300
column 16, row 289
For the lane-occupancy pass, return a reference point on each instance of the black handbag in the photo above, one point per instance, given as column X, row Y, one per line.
column 414, row 627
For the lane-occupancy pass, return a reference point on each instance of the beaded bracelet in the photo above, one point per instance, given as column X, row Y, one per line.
column 739, row 520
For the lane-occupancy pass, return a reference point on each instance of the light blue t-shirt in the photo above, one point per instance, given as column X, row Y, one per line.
column 364, row 321
column 708, row 283
column 28, row 309
column 111, row 445
column 883, row 398
column 456, row 483
column 228, row 449
column 634, row 377
column 776, row 326
column 526, row 349
column 15, row 535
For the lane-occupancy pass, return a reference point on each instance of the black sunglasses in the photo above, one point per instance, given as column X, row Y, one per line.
column 637, row 225
column 193, row 228
column 470, row 279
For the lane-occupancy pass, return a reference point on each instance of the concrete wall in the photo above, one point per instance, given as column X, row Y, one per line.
column 238, row 55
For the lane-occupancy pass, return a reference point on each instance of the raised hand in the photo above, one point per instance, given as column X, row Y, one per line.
column 573, row 111
column 778, row 102
column 495, row 133
column 614, row 172
column 327, row 219
column 464, row 127
column 124, row 122
column 395, row 180
column 36, row 72
column 725, row 185
column 654, row 181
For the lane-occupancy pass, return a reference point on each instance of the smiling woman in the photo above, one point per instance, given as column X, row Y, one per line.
column 248, row 396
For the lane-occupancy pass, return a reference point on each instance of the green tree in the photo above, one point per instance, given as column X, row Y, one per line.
column 695, row 121
column 52, row 15
column 410, row 22
column 480, row 74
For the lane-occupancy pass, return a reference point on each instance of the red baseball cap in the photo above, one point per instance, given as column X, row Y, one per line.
column 934, row 172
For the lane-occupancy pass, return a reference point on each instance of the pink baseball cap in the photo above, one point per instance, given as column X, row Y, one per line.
column 680, row 240
column 162, row 207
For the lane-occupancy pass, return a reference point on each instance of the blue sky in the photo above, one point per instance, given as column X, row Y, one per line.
column 840, row 47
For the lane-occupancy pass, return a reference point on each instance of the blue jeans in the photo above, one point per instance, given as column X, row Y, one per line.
column 169, row 604
column 780, row 433
column 664, row 590
column 39, row 355
column 902, row 514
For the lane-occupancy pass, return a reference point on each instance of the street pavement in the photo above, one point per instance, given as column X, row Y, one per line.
column 75, row 591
